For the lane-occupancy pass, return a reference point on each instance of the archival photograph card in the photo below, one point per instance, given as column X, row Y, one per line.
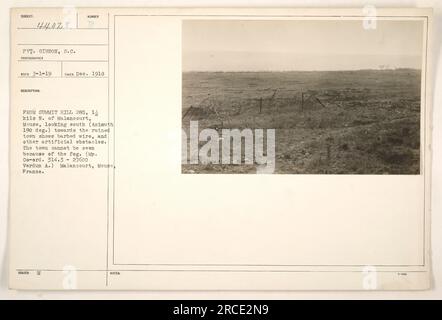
column 220, row 149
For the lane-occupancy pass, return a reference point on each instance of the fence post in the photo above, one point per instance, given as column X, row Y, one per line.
column 302, row 101
column 317, row 99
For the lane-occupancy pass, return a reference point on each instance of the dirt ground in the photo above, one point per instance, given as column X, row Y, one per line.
column 332, row 122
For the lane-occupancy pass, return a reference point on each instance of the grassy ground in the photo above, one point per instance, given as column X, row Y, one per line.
column 337, row 122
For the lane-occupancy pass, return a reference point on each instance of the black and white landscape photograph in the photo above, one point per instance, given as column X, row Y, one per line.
column 336, row 97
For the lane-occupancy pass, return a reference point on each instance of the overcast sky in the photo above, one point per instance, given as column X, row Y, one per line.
column 238, row 45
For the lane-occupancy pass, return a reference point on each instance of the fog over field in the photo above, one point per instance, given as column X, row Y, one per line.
column 294, row 45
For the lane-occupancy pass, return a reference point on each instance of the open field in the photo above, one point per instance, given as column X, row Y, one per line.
column 334, row 122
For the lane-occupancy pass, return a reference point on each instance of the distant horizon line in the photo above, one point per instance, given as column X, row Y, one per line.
column 324, row 70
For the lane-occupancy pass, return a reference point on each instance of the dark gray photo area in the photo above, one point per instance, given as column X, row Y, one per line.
column 342, row 99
